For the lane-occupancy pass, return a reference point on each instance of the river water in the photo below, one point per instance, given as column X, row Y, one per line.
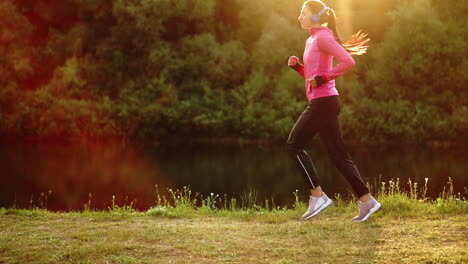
column 76, row 174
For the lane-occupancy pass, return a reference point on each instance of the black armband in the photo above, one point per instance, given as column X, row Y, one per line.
column 296, row 66
column 319, row 80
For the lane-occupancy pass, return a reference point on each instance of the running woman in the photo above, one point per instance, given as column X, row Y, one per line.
column 321, row 114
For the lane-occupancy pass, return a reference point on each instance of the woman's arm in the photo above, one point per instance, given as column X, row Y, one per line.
column 327, row 43
column 295, row 64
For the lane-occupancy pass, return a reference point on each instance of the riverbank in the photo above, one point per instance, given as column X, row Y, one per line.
column 405, row 230
column 178, row 140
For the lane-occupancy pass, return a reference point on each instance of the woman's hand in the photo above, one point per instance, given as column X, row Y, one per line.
column 317, row 81
column 312, row 82
column 293, row 60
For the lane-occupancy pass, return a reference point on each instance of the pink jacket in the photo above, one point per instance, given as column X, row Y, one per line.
column 321, row 48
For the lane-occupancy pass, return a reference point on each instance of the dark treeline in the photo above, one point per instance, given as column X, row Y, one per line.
column 148, row 69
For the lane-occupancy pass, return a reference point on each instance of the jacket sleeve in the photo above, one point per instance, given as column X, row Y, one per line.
column 327, row 43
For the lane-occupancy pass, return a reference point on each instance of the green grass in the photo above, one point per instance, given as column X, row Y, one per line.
column 187, row 228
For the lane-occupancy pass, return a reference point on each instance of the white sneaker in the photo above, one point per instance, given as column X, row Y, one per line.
column 366, row 209
column 316, row 205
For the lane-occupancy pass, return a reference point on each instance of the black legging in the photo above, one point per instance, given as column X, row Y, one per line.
column 321, row 115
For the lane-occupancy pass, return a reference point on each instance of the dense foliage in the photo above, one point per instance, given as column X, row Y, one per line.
column 203, row 68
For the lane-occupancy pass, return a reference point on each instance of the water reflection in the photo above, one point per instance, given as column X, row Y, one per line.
column 73, row 171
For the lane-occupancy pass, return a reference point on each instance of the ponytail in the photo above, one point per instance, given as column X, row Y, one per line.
column 331, row 19
column 355, row 45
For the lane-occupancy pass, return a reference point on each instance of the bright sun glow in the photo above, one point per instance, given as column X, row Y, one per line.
column 344, row 13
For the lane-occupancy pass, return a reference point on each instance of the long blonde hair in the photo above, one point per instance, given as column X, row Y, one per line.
column 355, row 45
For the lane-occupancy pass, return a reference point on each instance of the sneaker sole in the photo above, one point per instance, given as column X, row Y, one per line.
column 371, row 211
column 324, row 205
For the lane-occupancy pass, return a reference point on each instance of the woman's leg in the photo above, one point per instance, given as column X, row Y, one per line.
column 331, row 135
column 304, row 130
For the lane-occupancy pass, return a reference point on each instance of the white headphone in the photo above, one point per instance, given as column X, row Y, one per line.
column 316, row 17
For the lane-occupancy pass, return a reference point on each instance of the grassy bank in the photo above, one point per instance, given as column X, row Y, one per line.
column 408, row 229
